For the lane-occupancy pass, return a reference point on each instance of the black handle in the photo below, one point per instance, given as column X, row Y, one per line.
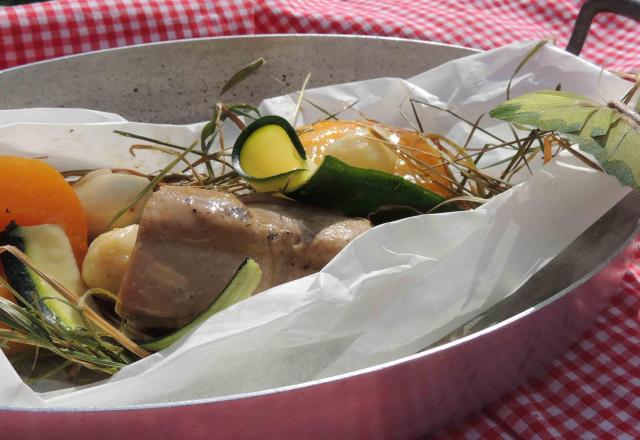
column 591, row 8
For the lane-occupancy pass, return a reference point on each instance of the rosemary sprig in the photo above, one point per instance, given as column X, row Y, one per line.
column 28, row 326
column 90, row 315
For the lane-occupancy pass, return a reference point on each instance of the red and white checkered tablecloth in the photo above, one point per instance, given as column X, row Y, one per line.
column 45, row 30
column 593, row 391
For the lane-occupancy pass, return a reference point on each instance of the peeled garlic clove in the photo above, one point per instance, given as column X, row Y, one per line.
column 103, row 194
column 108, row 257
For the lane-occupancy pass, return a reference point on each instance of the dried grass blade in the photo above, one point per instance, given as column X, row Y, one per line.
column 49, row 373
column 218, row 122
column 154, row 141
column 471, row 199
column 228, row 113
column 300, row 96
column 328, row 113
column 472, row 131
column 415, row 115
column 581, row 156
column 632, row 91
column 189, row 165
column 488, row 133
column 344, row 109
column 524, row 61
column 215, row 156
column 526, row 161
column 547, row 153
column 153, row 183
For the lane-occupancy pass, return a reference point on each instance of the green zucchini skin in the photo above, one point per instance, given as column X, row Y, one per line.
column 48, row 247
column 359, row 192
column 243, row 283
column 17, row 274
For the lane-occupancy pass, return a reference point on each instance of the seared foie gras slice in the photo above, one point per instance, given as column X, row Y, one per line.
column 191, row 241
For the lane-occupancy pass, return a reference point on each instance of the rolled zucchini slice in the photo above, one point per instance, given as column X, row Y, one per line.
column 270, row 157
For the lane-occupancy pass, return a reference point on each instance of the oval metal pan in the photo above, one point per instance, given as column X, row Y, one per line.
column 401, row 399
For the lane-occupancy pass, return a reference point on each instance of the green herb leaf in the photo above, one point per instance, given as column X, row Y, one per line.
column 242, row 74
column 611, row 133
column 207, row 131
column 245, row 110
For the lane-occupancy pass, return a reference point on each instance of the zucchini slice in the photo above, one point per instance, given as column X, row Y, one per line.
column 50, row 250
column 269, row 155
column 242, row 285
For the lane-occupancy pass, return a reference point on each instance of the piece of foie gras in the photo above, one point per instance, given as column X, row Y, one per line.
column 191, row 241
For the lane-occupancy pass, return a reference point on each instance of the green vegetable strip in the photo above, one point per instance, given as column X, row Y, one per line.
column 242, row 285
column 359, row 192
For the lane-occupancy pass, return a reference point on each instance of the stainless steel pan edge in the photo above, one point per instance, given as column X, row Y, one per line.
column 400, row 399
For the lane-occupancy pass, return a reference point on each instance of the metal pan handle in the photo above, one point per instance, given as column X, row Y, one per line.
column 591, row 8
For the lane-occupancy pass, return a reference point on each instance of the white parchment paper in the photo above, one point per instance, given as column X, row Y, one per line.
column 392, row 291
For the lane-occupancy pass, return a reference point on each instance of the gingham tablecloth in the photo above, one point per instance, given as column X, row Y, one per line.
column 593, row 391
